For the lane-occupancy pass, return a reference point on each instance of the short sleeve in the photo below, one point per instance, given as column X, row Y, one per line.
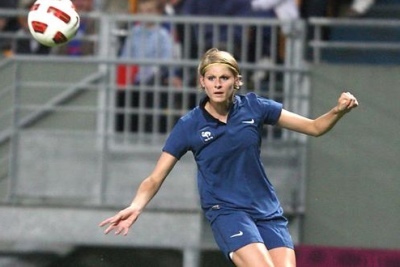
column 177, row 142
column 270, row 109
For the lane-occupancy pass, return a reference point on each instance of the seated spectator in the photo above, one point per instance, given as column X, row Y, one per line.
column 148, row 40
column 337, row 8
column 218, row 37
column 359, row 8
column 214, row 35
column 283, row 10
column 8, row 24
column 145, row 40
column 80, row 45
column 173, row 7
column 118, row 6
column 27, row 44
column 231, row 8
column 316, row 8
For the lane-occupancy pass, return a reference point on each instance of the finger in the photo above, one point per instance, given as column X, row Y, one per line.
column 126, row 230
column 352, row 103
column 107, row 221
column 351, row 106
column 350, row 95
column 352, row 98
column 120, row 230
column 109, row 229
column 110, row 220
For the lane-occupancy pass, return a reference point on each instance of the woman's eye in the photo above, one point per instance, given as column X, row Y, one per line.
column 213, row 78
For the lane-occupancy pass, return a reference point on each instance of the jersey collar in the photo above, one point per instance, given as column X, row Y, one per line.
column 237, row 102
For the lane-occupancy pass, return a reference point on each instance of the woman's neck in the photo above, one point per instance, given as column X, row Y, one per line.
column 219, row 111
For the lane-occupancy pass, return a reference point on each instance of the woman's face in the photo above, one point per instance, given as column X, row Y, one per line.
column 218, row 83
column 83, row 5
column 149, row 8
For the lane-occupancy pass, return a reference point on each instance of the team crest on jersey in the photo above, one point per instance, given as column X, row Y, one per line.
column 207, row 136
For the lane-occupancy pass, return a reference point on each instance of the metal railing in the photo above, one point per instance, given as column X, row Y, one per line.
column 369, row 36
column 270, row 69
column 66, row 107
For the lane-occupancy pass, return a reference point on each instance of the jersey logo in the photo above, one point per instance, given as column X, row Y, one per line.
column 237, row 235
column 207, row 136
column 249, row 121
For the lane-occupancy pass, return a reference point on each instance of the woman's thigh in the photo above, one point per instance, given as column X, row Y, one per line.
column 252, row 255
column 283, row 257
column 257, row 255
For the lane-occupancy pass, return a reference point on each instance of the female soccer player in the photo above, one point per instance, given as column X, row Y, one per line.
column 223, row 133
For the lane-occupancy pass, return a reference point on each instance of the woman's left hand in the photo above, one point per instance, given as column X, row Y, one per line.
column 346, row 103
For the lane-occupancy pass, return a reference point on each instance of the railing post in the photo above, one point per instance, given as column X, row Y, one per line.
column 14, row 138
column 191, row 257
column 103, row 106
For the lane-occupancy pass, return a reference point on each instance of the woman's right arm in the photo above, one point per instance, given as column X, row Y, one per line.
column 123, row 220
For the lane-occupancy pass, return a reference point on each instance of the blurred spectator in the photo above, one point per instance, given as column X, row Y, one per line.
column 8, row 24
column 283, row 9
column 145, row 40
column 359, row 8
column 148, row 40
column 315, row 8
column 231, row 8
column 133, row 5
column 26, row 44
column 256, row 49
column 117, row 6
column 319, row 9
column 209, row 35
column 336, row 8
column 80, row 45
column 173, row 7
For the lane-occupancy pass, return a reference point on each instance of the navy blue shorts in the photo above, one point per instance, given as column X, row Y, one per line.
column 238, row 229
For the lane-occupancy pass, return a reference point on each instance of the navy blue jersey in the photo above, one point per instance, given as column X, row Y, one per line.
column 230, row 175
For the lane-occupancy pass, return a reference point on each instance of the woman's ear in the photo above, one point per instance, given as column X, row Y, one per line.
column 238, row 82
column 201, row 82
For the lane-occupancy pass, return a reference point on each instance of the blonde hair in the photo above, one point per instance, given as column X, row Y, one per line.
column 214, row 56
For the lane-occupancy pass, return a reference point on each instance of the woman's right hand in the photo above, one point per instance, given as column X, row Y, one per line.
column 121, row 222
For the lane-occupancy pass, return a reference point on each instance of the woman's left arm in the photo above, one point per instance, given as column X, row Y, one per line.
column 322, row 124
